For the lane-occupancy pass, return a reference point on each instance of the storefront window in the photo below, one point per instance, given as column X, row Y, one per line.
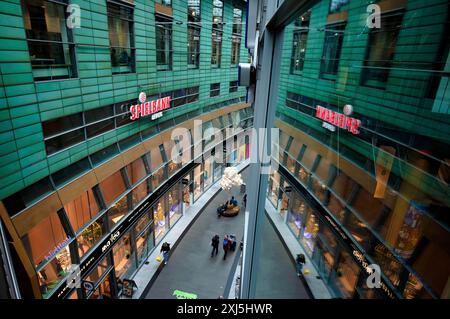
column 103, row 290
column 310, row 232
column 208, row 173
column 142, row 223
column 124, row 258
column 273, row 188
column 52, row 274
column 90, row 236
column 159, row 216
column 112, row 187
column 174, row 201
column 82, row 209
column 217, row 171
column 144, row 243
column 346, row 275
column 343, row 185
column 98, row 272
column 188, row 196
column 136, row 171
column 51, row 229
column 198, row 182
column 296, row 212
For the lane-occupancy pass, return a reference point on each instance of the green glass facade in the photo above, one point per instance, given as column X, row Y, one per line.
column 75, row 167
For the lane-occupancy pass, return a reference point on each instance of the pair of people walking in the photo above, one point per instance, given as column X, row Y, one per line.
column 229, row 243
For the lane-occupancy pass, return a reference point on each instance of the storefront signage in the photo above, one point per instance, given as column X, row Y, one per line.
column 338, row 119
column 149, row 108
column 106, row 245
column 55, row 250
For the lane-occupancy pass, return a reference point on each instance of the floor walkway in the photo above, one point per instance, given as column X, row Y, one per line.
column 192, row 270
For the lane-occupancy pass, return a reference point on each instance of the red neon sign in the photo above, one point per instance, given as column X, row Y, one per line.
column 149, row 108
column 345, row 122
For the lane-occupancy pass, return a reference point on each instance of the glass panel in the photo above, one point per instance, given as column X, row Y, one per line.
column 62, row 124
column 55, row 271
column 52, row 230
column 49, row 40
column 63, row 141
column 124, row 258
column 120, row 26
column 118, row 211
column 159, row 216
column 82, row 209
column 174, row 201
column 136, row 170
column 90, row 236
column 112, row 187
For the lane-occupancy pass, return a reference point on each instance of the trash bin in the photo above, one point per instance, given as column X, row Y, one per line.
column 243, row 188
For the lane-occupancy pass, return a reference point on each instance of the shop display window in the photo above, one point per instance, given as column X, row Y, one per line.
column 112, row 187
column 55, row 271
column 90, row 236
column 140, row 192
column 142, row 223
column 159, row 217
column 82, row 209
column 136, row 171
column 273, row 189
column 208, row 173
column 104, row 290
column 296, row 213
column 45, row 239
column 347, row 272
column 124, row 257
column 310, row 232
column 188, row 196
column 144, row 244
column 117, row 212
column 174, row 201
column 98, row 271
column 218, row 167
column 389, row 265
column 359, row 230
column 198, row 182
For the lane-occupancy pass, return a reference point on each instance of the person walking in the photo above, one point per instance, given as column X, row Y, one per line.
column 165, row 249
column 245, row 200
column 215, row 245
column 226, row 246
column 299, row 262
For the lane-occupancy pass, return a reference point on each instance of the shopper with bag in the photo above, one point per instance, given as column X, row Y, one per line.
column 165, row 249
column 215, row 245
column 226, row 246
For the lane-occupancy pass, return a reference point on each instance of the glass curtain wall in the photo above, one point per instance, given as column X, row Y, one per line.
column 364, row 150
